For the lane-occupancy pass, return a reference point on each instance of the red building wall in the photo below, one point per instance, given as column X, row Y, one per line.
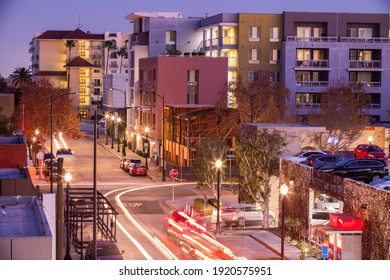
column 13, row 156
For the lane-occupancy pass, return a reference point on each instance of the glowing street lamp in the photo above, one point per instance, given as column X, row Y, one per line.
column 218, row 165
column 68, row 178
column 283, row 192
column 370, row 139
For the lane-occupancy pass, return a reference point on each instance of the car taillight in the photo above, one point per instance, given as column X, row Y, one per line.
column 311, row 161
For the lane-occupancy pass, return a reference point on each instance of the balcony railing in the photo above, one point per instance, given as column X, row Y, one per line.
column 368, row 64
column 368, row 83
column 312, row 63
column 229, row 40
column 312, row 83
column 364, row 40
column 337, row 39
column 311, row 39
column 307, row 105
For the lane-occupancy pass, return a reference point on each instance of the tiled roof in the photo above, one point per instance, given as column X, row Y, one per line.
column 51, row 73
column 79, row 62
column 76, row 34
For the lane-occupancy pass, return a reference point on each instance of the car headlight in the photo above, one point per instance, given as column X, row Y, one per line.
column 327, row 170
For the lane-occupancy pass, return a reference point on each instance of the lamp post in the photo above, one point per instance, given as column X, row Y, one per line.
column 118, row 121
column 370, row 139
column 124, row 142
column 112, row 131
column 51, row 135
column 163, row 138
column 107, row 116
column 68, row 178
column 218, row 165
column 283, row 192
column 147, row 147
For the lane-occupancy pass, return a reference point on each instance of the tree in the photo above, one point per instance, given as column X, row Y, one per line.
column 262, row 101
column 207, row 152
column 3, row 84
column 21, row 77
column 69, row 45
column 108, row 45
column 343, row 114
column 36, row 99
column 122, row 53
column 7, row 126
column 257, row 153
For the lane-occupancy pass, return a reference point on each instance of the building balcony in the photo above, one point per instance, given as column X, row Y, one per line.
column 308, row 105
column 312, row 63
column 311, row 39
column 311, row 83
column 364, row 40
column 368, row 83
column 366, row 65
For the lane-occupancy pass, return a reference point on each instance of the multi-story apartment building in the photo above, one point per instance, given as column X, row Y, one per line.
column 79, row 68
column 320, row 49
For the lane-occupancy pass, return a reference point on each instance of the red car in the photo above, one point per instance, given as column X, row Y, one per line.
column 138, row 169
column 370, row 151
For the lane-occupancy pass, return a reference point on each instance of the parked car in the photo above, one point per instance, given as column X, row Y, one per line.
column 138, row 169
column 105, row 250
column 384, row 186
column 242, row 214
column 317, row 161
column 325, row 202
column 302, row 156
column 125, row 163
column 384, row 180
column 321, row 216
column 366, row 170
column 102, row 122
column 369, row 151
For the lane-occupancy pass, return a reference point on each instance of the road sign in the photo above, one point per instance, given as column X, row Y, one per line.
column 173, row 173
column 40, row 156
column 324, row 252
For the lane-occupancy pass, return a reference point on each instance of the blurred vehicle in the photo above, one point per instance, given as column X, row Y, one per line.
column 138, row 170
column 102, row 122
column 369, row 151
column 242, row 214
column 366, row 170
column 384, row 180
column 302, row 156
column 326, row 202
column 105, row 250
column 321, row 216
column 317, row 161
column 385, row 186
column 125, row 163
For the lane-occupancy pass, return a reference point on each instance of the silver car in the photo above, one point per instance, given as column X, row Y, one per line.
column 241, row 214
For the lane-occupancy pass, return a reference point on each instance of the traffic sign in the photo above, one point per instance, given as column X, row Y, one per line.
column 40, row 155
column 173, row 173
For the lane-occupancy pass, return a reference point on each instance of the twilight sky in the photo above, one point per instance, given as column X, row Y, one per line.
column 20, row 19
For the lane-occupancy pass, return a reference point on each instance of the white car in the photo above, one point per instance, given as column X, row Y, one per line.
column 324, row 202
column 320, row 217
column 302, row 156
column 242, row 214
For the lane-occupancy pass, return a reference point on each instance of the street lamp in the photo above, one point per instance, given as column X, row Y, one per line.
column 147, row 147
column 218, row 165
column 51, row 134
column 68, row 178
column 163, row 137
column 124, row 92
column 112, row 131
column 124, row 142
column 370, row 139
column 283, row 192
column 107, row 116
column 118, row 121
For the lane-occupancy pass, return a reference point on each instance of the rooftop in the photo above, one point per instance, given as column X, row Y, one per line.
column 22, row 216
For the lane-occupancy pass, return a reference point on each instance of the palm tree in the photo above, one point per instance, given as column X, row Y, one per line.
column 122, row 53
column 21, row 77
column 69, row 45
column 108, row 45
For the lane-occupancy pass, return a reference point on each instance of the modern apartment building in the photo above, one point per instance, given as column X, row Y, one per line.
column 79, row 68
column 320, row 49
column 170, row 88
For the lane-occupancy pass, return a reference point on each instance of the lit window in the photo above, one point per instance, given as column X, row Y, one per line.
column 254, row 33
